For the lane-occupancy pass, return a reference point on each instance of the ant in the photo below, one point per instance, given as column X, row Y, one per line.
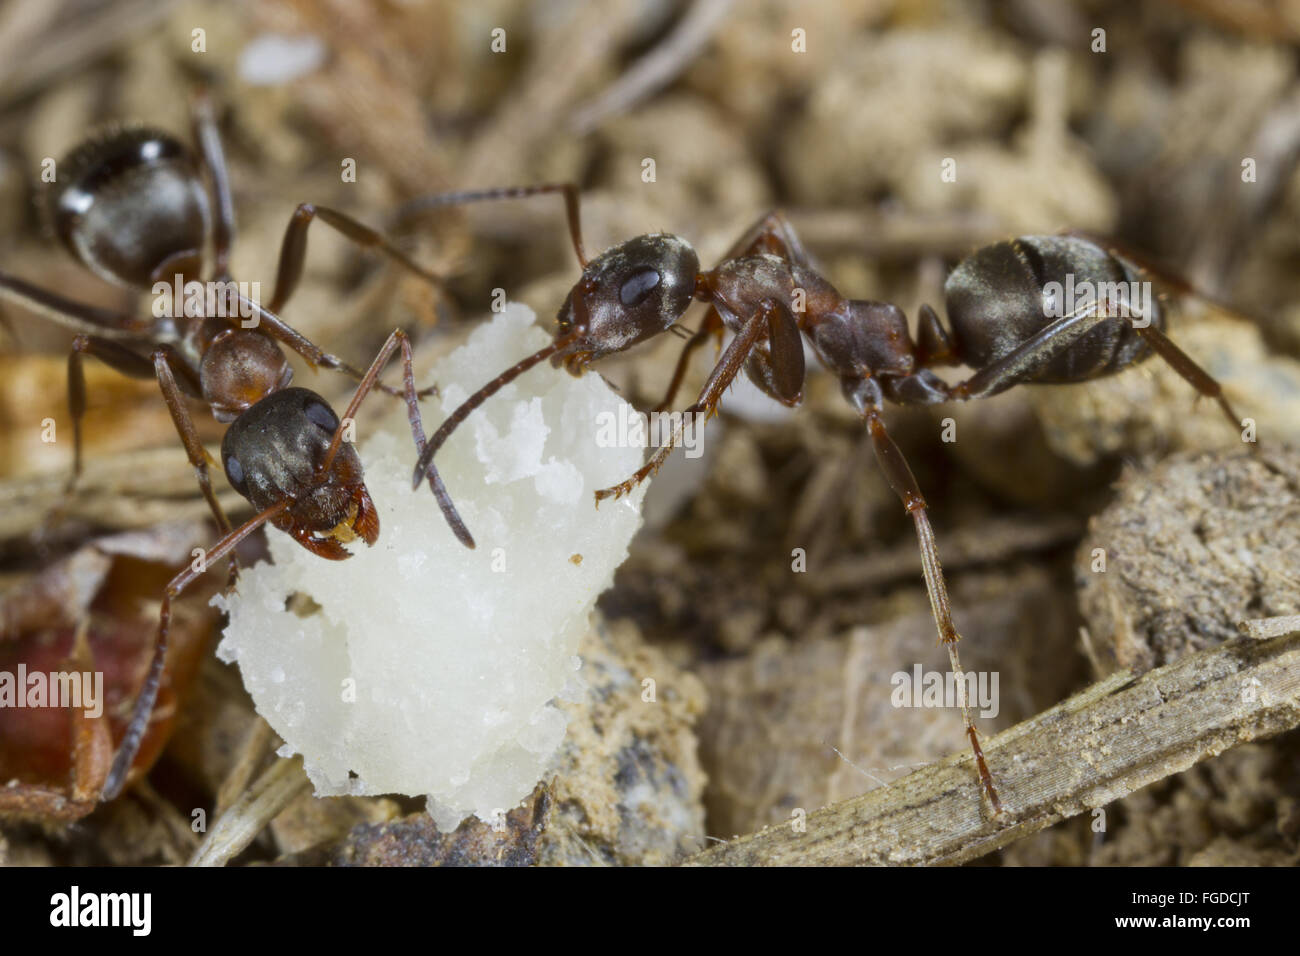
column 767, row 293
column 132, row 207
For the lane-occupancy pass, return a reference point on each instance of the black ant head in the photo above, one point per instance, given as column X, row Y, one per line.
column 627, row 294
column 132, row 207
column 275, row 451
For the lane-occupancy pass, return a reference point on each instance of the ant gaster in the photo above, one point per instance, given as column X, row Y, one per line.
column 766, row 292
column 132, row 207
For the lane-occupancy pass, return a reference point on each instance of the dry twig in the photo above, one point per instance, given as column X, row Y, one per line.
column 239, row 826
column 1113, row 738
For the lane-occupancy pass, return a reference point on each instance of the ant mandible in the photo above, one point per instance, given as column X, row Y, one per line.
column 132, row 207
column 998, row 319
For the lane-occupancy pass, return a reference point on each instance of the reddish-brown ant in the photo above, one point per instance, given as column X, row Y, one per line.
column 766, row 292
column 132, row 207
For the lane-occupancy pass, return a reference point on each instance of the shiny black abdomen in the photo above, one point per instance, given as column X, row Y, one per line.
column 995, row 300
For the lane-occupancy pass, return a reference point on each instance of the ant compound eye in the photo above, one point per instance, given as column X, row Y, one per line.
column 235, row 474
column 636, row 289
column 321, row 415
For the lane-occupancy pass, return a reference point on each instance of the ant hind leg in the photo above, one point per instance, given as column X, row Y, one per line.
column 1201, row 380
column 1021, row 364
column 900, row 478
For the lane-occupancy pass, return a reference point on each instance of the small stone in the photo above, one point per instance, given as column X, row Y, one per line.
column 1191, row 548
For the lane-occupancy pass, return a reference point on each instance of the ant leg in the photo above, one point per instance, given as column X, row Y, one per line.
column 1143, row 261
column 77, row 316
column 295, row 243
column 209, row 141
column 165, row 362
column 293, row 251
column 773, row 235
column 1166, row 276
column 900, row 478
column 165, row 365
column 1020, row 364
column 421, row 204
column 440, row 493
column 287, row 335
column 1193, row 374
column 933, row 344
column 712, row 327
column 142, row 710
column 772, row 318
column 115, row 356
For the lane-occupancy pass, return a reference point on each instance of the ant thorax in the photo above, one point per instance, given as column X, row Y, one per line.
column 752, row 279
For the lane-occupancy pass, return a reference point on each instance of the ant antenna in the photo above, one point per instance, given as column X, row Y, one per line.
column 425, row 463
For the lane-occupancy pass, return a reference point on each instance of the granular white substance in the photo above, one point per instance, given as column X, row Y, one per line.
column 430, row 668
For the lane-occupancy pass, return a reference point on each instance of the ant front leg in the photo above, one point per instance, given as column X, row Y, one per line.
column 771, row 235
column 412, row 397
column 142, row 710
column 165, row 366
column 866, row 397
column 166, row 362
column 710, row 328
column 117, row 357
column 772, row 318
column 293, row 251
